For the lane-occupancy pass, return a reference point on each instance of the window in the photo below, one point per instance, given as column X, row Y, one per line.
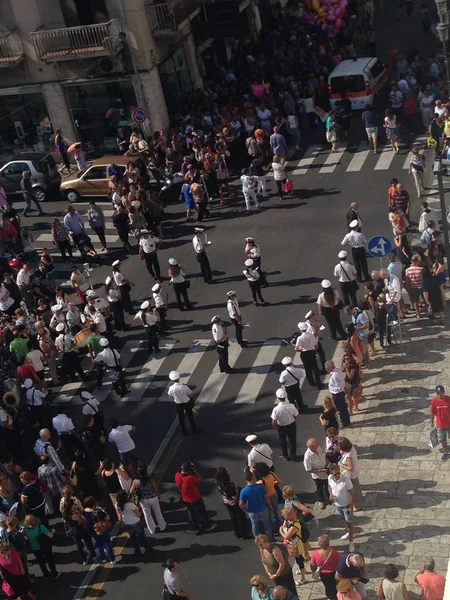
column 347, row 84
column 16, row 168
column 376, row 69
column 45, row 165
column 96, row 173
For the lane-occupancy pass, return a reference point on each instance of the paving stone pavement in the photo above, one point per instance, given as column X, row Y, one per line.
column 404, row 482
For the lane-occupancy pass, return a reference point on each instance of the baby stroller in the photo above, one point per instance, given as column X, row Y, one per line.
column 83, row 242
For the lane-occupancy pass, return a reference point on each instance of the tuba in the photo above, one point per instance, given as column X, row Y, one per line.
column 11, row 403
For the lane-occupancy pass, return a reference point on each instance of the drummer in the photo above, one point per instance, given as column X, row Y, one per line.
column 73, row 319
column 58, row 317
column 102, row 306
column 94, row 349
column 95, row 317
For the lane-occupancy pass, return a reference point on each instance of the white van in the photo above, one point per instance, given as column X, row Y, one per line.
column 362, row 79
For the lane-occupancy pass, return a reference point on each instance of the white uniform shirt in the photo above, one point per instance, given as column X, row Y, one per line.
column 311, row 460
column 55, row 320
column 149, row 244
column 35, row 396
column 341, row 490
column 322, row 302
column 255, row 251
column 106, row 356
column 291, row 375
column 251, row 274
column 118, row 278
column 343, row 268
column 64, row 342
column 198, row 244
column 260, row 453
column 62, row 424
column 284, row 414
column 306, row 341
column 5, row 299
column 91, row 407
column 354, row 239
column 158, row 299
column 23, row 277
column 217, row 332
column 113, row 295
column 122, row 439
column 352, row 454
column 180, row 278
column 180, row 392
column 336, row 383
column 233, row 308
column 100, row 321
column 148, row 319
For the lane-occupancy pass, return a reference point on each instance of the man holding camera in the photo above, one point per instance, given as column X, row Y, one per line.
column 187, row 481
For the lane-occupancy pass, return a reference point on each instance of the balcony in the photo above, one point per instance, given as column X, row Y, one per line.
column 167, row 18
column 11, row 51
column 70, row 43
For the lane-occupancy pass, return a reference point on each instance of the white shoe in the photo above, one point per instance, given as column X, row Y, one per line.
column 345, row 536
column 351, row 547
column 117, row 559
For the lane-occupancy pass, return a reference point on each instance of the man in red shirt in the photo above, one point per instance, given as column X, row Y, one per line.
column 187, row 482
column 27, row 371
column 440, row 408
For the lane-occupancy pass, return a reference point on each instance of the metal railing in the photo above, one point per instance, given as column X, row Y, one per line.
column 11, row 50
column 75, row 42
column 168, row 16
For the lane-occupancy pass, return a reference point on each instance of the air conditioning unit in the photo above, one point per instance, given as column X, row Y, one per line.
column 111, row 65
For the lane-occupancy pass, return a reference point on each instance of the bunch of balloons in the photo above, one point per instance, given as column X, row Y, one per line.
column 328, row 14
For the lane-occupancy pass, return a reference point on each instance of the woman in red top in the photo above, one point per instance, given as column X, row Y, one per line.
column 13, row 572
column 327, row 559
column 409, row 108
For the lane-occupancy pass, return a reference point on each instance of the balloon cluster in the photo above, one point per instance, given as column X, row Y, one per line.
column 328, row 14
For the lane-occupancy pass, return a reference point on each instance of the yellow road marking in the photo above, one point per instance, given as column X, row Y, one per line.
column 104, row 573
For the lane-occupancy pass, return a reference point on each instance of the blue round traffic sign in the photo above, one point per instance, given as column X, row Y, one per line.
column 139, row 115
column 379, row 246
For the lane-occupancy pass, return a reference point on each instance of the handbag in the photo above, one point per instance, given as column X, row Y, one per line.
column 329, row 135
column 434, row 438
column 44, row 540
column 188, row 283
column 8, row 589
column 288, row 186
column 292, row 549
column 101, row 527
column 431, row 143
column 73, row 477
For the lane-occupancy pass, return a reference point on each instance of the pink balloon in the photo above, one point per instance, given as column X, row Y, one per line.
column 337, row 11
column 340, row 24
column 343, row 4
column 324, row 26
column 331, row 18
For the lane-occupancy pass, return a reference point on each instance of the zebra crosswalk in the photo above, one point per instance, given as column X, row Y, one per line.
column 352, row 159
column 147, row 377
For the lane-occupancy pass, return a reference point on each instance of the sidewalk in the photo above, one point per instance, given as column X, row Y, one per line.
column 404, row 482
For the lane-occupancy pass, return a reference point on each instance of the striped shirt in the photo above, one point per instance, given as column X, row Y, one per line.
column 415, row 276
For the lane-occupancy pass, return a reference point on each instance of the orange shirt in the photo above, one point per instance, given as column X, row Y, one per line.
column 269, row 482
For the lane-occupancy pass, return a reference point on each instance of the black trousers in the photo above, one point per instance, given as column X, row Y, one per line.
column 222, row 351
column 255, row 287
column 118, row 315
column 202, row 211
column 205, row 267
column 152, row 333
column 119, row 386
column 342, row 408
column 70, row 443
column 65, row 247
column 198, row 515
column 186, row 409
column 348, row 292
column 239, row 521
column 238, row 328
column 288, row 433
column 44, row 558
column 312, row 371
column 71, row 364
column 329, row 582
column 100, row 231
column 294, row 395
column 126, row 299
column 162, row 312
column 152, row 264
column 360, row 261
column 181, row 295
column 333, row 321
column 322, row 490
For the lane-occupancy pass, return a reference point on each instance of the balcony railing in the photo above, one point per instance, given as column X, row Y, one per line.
column 76, row 42
column 11, row 51
column 169, row 17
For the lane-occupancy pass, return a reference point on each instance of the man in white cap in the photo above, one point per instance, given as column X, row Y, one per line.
column 35, row 398
column 346, row 274
column 160, row 306
column 313, row 327
column 181, row 395
column 283, row 420
column 358, row 243
column 69, row 438
column 148, row 251
column 255, row 281
column 329, row 306
column 253, row 251
column 180, row 284
column 235, row 314
column 259, row 452
column 353, row 213
column 91, row 408
column 57, row 317
column 202, row 258
column 110, row 359
column 306, row 344
column 220, row 336
column 124, row 286
column 115, row 304
column 149, row 321
column 65, row 344
column 292, row 378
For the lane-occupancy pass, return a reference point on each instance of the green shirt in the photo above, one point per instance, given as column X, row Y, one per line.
column 93, row 343
column 32, row 535
column 19, row 347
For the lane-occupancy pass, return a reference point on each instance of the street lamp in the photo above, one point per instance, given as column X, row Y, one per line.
column 443, row 29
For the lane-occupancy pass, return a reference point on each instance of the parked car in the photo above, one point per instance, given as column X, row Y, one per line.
column 45, row 178
column 92, row 181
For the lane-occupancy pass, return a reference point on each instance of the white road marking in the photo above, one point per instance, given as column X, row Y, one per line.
column 307, row 160
column 258, row 373
column 384, row 162
column 332, row 161
column 359, row 158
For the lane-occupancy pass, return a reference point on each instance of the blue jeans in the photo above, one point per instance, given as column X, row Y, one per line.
column 104, row 546
column 137, row 536
column 261, row 523
column 342, row 408
column 393, row 312
column 276, row 514
column 28, row 199
column 295, row 135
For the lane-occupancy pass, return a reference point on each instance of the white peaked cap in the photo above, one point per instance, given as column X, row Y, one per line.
column 174, row 376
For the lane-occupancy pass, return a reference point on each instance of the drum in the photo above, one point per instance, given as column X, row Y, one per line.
column 82, row 337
